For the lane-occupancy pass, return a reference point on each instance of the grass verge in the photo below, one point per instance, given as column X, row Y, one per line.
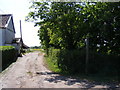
column 92, row 78
column 50, row 65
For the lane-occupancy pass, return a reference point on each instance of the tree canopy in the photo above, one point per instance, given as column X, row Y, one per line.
column 66, row 25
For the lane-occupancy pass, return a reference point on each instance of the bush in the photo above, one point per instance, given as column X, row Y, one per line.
column 51, row 60
column 73, row 61
column 53, row 55
column 103, row 64
column 68, row 61
column 9, row 55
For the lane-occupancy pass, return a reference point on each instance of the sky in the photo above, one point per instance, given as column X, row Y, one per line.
column 20, row 9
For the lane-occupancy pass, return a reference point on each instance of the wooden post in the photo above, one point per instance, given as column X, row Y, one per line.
column 87, row 55
column 21, row 40
column 20, row 30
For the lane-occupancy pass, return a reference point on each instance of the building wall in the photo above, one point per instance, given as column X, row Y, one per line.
column 10, row 35
column 10, row 25
column 2, row 37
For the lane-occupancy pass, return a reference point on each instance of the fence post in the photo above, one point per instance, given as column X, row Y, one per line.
column 87, row 55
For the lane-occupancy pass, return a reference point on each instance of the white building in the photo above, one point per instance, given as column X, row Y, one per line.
column 7, row 32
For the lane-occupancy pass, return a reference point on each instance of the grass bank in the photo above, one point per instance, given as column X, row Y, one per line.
column 52, row 64
column 92, row 78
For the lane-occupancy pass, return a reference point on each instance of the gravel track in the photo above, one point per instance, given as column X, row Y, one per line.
column 29, row 72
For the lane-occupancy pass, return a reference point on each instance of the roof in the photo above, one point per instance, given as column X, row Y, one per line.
column 4, row 20
column 20, row 41
column 16, row 40
column 24, row 46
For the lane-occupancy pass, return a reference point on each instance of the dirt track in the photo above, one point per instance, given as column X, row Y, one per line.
column 29, row 72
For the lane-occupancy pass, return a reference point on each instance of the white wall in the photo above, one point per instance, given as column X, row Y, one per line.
column 1, row 52
column 9, row 36
column 2, row 37
column 2, row 41
column 10, row 25
column 9, row 33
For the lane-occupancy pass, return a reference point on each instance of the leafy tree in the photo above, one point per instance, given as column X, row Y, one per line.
column 104, row 27
column 61, row 22
column 66, row 25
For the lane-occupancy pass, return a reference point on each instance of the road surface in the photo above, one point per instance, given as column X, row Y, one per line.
column 29, row 71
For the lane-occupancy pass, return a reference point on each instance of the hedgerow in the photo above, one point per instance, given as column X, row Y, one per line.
column 9, row 55
column 74, row 62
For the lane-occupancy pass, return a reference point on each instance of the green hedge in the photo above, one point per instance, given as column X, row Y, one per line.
column 9, row 55
column 68, row 61
column 104, row 64
column 73, row 61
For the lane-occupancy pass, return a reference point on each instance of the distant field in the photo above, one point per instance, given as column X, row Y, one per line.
column 36, row 49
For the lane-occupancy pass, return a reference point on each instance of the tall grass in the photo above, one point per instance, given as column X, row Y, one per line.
column 51, row 60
